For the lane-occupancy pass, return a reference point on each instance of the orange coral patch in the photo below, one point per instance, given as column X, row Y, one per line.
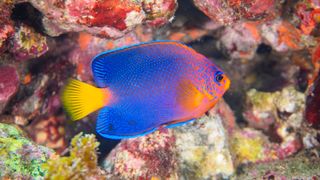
column 177, row 36
column 289, row 35
column 84, row 40
column 27, row 79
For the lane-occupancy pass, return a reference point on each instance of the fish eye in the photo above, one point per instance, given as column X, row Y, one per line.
column 219, row 76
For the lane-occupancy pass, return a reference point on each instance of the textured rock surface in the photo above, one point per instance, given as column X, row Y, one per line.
column 6, row 24
column 265, row 45
column 20, row 158
column 313, row 105
column 203, row 149
column 230, row 11
column 27, row 44
column 264, row 108
column 198, row 150
column 280, row 116
column 282, row 35
column 108, row 18
column 81, row 164
column 9, row 83
column 241, row 40
column 299, row 167
column 308, row 13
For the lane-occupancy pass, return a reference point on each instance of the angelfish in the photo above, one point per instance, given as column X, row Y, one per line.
column 142, row 87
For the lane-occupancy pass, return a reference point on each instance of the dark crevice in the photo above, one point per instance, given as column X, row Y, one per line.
column 27, row 14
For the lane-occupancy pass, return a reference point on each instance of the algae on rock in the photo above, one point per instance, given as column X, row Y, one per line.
column 81, row 164
column 19, row 156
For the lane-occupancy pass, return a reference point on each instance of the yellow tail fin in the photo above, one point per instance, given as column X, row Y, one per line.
column 80, row 99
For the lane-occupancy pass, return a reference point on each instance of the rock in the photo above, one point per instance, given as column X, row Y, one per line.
column 6, row 24
column 9, row 84
column 230, row 11
column 203, row 149
column 280, row 116
column 252, row 146
column 197, row 150
column 282, row 36
column 307, row 12
column 49, row 132
column 41, row 95
column 316, row 62
column 313, row 105
column 104, row 18
column 298, row 167
column 264, row 108
column 249, row 145
column 39, row 103
column 20, row 158
column 241, row 40
column 27, row 43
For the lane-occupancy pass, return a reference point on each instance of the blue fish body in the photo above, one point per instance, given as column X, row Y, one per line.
column 154, row 84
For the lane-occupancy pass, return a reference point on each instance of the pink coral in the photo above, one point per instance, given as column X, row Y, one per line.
column 308, row 12
column 313, row 104
column 231, row 11
column 9, row 83
column 49, row 132
column 241, row 40
column 6, row 25
column 145, row 157
column 282, row 35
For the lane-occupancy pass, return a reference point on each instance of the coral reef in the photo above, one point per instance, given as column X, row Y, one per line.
column 49, row 132
column 231, row 11
column 9, row 84
column 313, row 105
column 145, row 157
column 241, row 40
column 299, row 167
column 267, row 127
column 280, row 116
column 203, row 149
column 6, row 25
column 27, row 44
column 308, row 12
column 105, row 18
column 20, row 158
column 280, row 107
column 282, row 35
column 81, row 164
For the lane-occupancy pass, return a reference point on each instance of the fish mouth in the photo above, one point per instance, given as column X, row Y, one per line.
column 227, row 84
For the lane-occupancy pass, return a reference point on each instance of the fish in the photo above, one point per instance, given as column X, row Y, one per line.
column 144, row 87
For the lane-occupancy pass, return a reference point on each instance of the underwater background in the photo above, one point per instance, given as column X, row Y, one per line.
column 266, row 126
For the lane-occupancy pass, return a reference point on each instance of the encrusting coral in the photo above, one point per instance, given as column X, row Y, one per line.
column 81, row 164
column 20, row 158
